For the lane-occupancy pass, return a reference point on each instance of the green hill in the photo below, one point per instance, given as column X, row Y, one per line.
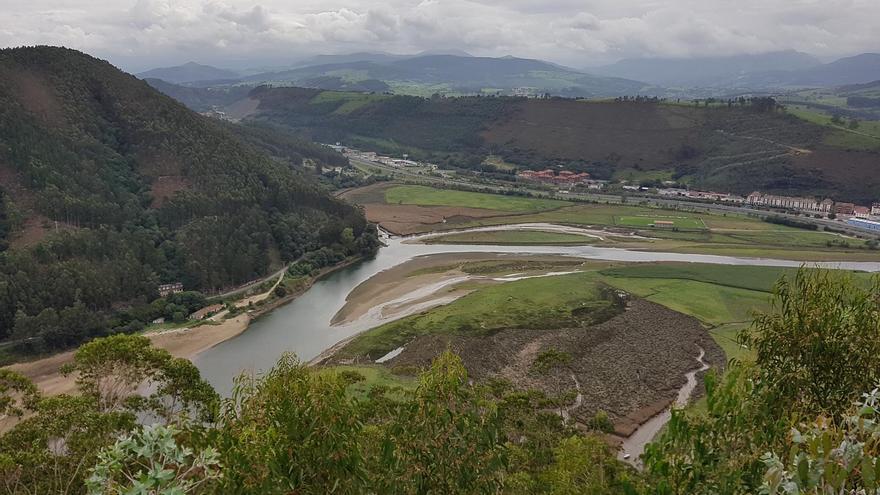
column 110, row 188
column 189, row 72
column 739, row 147
column 452, row 74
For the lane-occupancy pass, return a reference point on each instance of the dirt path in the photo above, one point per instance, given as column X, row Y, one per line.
column 578, row 401
column 765, row 140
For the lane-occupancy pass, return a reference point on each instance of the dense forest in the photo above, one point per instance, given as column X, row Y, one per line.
column 118, row 188
column 801, row 417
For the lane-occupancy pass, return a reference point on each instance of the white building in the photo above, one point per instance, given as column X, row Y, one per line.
column 794, row 203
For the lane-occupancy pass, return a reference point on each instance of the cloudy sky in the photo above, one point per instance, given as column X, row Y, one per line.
column 138, row 34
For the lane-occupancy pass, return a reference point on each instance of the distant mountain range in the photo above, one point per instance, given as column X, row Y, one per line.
column 850, row 70
column 456, row 73
column 705, row 71
column 376, row 57
column 189, row 73
column 422, row 74
column 784, row 69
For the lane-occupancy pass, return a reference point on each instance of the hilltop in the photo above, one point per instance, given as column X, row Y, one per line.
column 764, row 71
column 428, row 73
column 724, row 71
column 188, row 73
column 110, row 188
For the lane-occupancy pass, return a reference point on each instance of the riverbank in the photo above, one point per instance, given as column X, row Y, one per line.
column 184, row 342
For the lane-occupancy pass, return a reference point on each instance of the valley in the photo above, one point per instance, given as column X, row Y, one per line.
column 469, row 291
column 411, row 209
column 733, row 145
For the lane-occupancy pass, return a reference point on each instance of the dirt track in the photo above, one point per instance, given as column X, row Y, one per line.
column 630, row 366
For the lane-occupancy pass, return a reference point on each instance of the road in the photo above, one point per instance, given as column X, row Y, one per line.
column 245, row 288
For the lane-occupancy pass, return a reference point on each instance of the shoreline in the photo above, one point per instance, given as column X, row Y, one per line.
column 185, row 342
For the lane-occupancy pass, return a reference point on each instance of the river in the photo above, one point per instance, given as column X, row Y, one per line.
column 303, row 326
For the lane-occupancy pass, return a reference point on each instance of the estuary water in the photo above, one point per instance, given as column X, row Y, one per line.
column 303, row 326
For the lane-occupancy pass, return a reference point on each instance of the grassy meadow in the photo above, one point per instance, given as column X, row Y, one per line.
column 698, row 232
column 547, row 302
column 375, row 376
column 724, row 298
column 517, row 238
column 429, row 196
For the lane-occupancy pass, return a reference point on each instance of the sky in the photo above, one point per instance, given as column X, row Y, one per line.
column 140, row 34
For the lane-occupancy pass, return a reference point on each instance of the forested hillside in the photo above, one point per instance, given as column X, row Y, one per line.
column 110, row 188
column 737, row 145
column 201, row 99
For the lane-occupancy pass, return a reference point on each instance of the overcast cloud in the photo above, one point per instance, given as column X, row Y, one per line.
column 237, row 33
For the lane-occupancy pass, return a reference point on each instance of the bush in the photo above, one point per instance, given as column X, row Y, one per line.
column 601, row 422
column 280, row 291
column 791, row 222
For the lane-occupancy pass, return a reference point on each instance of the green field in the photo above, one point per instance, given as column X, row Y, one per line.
column 429, row 196
column 681, row 222
column 637, row 176
column 710, row 303
column 350, row 100
column 698, row 232
column 375, row 375
column 723, row 297
column 515, row 238
column 865, row 137
column 531, row 303
column 756, row 278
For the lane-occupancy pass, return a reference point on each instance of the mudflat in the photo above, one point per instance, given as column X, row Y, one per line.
column 418, row 283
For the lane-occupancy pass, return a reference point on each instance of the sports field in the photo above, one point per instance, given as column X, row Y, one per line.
column 660, row 221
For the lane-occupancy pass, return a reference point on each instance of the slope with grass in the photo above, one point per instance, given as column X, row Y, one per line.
column 738, row 147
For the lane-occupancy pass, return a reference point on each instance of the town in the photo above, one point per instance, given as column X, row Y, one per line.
column 857, row 216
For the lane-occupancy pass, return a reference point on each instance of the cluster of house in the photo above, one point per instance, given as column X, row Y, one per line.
column 855, row 215
column 703, row 195
column 863, row 217
column 776, row 201
column 375, row 157
column 168, row 289
column 814, row 205
column 564, row 177
column 799, row 203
